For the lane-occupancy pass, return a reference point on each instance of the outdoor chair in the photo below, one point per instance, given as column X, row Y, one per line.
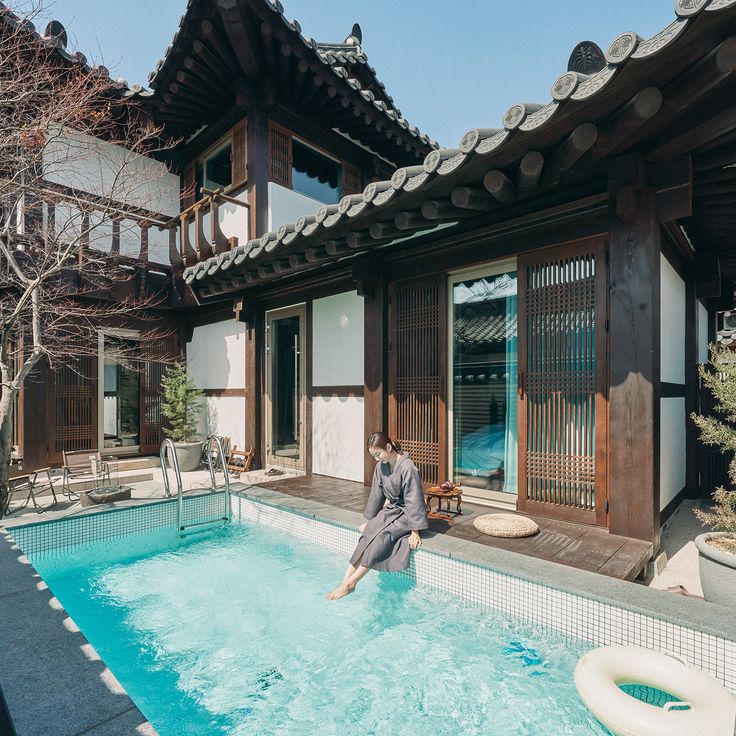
column 28, row 483
column 81, row 465
column 240, row 461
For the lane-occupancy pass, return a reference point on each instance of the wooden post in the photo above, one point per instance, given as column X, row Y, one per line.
column 258, row 172
column 253, row 318
column 691, row 389
column 634, row 394
column 376, row 354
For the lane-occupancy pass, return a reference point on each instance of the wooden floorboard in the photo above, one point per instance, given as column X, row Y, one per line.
column 577, row 545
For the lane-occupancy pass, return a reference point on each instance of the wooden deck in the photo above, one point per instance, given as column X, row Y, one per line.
column 576, row 545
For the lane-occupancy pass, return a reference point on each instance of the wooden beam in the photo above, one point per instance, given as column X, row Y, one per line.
column 210, row 59
column 568, row 153
column 411, row 220
column 472, row 198
column 617, row 132
column 530, row 169
column 437, row 209
column 694, row 136
column 383, row 230
column 500, row 186
column 242, row 42
column 673, row 188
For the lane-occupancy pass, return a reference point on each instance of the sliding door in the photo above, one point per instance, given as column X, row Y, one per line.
column 562, row 382
column 483, row 381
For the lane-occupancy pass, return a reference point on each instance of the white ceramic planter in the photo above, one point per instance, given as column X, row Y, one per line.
column 717, row 570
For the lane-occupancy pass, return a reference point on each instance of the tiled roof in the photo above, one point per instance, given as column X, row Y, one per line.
column 341, row 60
column 627, row 55
column 55, row 37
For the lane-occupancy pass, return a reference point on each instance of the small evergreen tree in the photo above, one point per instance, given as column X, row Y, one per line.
column 181, row 405
column 720, row 430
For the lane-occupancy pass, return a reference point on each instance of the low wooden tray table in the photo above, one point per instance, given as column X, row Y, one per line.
column 440, row 494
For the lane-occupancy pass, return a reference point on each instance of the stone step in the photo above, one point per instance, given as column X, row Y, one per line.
column 137, row 463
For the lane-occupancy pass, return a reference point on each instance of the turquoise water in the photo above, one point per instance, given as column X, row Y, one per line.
column 230, row 633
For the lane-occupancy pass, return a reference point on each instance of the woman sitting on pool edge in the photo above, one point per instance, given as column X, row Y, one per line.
column 395, row 514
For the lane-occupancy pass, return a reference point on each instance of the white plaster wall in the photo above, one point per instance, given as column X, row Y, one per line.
column 672, row 330
column 337, row 437
column 337, row 340
column 92, row 165
column 671, row 449
column 224, row 415
column 216, row 355
column 702, row 334
column 286, row 206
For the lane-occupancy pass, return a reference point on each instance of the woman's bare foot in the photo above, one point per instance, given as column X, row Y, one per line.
column 345, row 588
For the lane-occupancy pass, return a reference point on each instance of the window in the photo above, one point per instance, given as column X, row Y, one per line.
column 297, row 166
column 224, row 165
column 314, row 175
column 215, row 170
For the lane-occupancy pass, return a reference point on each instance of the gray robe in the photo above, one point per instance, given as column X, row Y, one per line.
column 384, row 544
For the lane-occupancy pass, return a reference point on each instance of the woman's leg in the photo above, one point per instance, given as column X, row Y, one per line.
column 352, row 575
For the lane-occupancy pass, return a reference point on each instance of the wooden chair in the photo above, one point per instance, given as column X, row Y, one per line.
column 241, row 461
column 82, row 465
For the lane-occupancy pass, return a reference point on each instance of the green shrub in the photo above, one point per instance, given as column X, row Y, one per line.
column 720, row 430
column 181, row 405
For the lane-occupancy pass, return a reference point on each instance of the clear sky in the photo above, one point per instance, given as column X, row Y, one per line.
column 450, row 65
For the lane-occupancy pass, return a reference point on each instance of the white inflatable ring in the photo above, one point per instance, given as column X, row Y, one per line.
column 711, row 712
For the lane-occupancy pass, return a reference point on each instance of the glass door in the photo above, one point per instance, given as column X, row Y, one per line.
column 120, row 424
column 285, row 445
column 483, row 381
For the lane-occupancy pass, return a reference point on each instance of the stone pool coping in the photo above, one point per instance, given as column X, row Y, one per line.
column 55, row 683
column 708, row 618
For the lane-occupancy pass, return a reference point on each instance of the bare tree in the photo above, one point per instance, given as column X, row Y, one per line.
column 77, row 179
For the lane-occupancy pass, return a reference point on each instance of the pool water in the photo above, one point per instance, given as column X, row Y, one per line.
column 229, row 633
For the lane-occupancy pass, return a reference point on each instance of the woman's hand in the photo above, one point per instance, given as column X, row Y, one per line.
column 362, row 527
column 414, row 540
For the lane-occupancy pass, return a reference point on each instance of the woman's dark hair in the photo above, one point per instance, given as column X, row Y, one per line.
column 381, row 439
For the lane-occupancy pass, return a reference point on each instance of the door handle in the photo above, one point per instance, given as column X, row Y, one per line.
column 521, row 381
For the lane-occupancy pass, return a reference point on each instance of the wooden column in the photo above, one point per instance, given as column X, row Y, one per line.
column 375, row 360
column 634, row 273
column 258, row 148
column 253, row 318
column 691, row 389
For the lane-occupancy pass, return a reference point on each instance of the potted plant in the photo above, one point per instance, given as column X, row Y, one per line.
column 717, row 549
column 181, row 407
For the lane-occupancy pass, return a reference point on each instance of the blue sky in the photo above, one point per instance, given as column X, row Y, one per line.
column 450, row 66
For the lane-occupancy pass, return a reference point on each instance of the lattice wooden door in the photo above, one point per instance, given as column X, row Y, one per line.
column 417, row 373
column 152, row 434
column 73, row 413
column 562, row 383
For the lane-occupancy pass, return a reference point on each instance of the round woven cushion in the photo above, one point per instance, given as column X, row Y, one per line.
column 505, row 525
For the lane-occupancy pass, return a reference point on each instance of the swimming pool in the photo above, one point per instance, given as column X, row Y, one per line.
column 230, row 633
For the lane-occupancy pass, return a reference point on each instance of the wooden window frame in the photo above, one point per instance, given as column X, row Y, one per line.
column 238, row 172
column 345, row 166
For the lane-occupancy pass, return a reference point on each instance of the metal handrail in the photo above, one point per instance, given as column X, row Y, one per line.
column 168, row 444
column 223, row 464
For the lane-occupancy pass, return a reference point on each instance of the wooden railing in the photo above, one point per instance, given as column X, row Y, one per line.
column 185, row 252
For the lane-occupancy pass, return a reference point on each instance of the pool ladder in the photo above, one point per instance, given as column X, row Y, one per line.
column 169, row 449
